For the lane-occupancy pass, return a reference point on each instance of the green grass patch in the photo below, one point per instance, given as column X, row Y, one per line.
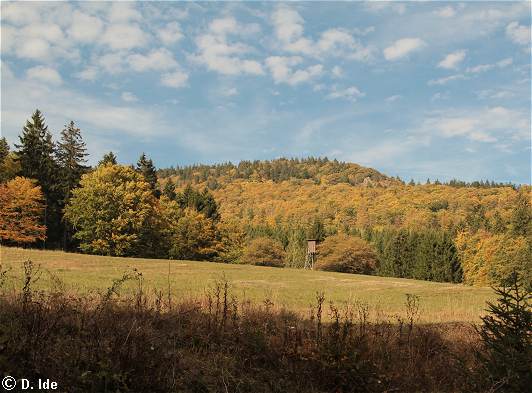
column 294, row 289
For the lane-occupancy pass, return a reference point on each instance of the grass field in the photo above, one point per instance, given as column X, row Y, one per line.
column 291, row 288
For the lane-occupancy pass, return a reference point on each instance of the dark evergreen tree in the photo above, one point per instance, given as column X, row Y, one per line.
column 108, row 159
column 521, row 221
column 36, row 155
column 169, row 190
column 4, row 149
column 147, row 169
column 70, row 153
column 507, row 336
column 317, row 230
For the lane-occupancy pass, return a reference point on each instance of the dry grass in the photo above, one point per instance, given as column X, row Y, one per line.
column 219, row 343
column 285, row 288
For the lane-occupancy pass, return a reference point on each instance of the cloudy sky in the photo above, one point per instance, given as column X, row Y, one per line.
column 419, row 90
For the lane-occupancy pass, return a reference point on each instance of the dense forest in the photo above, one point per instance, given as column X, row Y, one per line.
column 261, row 212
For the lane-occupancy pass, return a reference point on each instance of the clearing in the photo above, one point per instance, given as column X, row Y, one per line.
column 294, row 289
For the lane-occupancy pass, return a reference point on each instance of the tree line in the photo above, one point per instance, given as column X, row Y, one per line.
column 259, row 212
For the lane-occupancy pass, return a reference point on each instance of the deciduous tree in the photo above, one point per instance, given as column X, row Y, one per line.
column 21, row 210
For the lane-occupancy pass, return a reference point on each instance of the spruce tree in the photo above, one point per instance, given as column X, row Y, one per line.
column 169, row 190
column 4, row 149
column 147, row 169
column 108, row 159
column 71, row 153
column 507, row 336
column 36, row 156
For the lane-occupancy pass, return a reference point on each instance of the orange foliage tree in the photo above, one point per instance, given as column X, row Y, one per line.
column 21, row 209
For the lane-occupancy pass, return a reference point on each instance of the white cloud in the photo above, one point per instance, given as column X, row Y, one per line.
column 124, row 36
column 289, row 28
column 337, row 71
column 44, row 74
column 282, row 72
column 351, row 93
column 218, row 54
column 88, row 74
column 176, row 79
column 445, row 80
column 123, row 11
column 486, row 67
column 518, row 33
column 394, row 98
column 170, row 34
column 129, row 97
column 34, row 49
column 488, row 125
column 85, row 28
column 229, row 92
column 402, row 48
column 111, row 62
column 495, row 94
column 446, row 12
column 452, row 60
column 157, row 60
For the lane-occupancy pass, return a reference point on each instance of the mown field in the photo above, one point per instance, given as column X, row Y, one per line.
column 286, row 288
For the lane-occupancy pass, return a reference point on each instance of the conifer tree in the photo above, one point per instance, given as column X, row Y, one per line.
column 507, row 337
column 71, row 153
column 169, row 190
column 36, row 156
column 147, row 169
column 108, row 159
column 4, row 149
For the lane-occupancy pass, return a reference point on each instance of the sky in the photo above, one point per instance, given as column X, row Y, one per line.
column 414, row 89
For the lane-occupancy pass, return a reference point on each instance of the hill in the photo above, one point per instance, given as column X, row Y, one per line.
column 291, row 199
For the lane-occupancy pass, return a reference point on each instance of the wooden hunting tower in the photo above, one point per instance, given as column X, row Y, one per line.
column 311, row 253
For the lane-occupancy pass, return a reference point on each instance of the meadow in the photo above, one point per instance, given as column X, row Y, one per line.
column 293, row 289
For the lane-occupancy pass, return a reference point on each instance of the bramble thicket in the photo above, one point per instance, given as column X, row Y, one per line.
column 261, row 212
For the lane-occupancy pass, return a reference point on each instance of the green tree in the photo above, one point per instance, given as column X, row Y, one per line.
column 169, row 190
column 112, row 211
column 4, row 149
column 147, row 169
column 507, row 337
column 71, row 153
column 36, row 155
column 108, row 159
column 521, row 220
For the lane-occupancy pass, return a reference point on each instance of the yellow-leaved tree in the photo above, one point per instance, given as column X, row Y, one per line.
column 21, row 211
column 113, row 212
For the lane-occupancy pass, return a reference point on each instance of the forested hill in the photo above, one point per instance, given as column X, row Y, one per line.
column 318, row 170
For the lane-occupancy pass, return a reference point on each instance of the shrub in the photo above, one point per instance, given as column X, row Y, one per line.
column 264, row 251
column 346, row 254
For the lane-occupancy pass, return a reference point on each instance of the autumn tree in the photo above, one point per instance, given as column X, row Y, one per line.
column 263, row 251
column 21, row 210
column 112, row 211
column 346, row 254
column 190, row 235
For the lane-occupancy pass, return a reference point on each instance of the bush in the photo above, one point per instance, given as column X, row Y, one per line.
column 264, row 251
column 341, row 253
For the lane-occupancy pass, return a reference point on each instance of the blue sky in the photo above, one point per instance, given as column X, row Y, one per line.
column 439, row 89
